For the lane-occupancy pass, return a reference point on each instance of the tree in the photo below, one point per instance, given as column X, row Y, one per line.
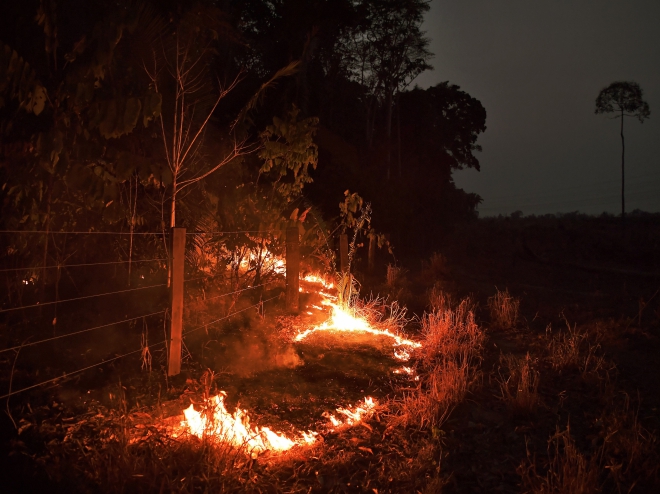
column 625, row 98
column 388, row 53
column 180, row 70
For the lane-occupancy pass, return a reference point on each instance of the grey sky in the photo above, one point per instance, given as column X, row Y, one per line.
column 537, row 67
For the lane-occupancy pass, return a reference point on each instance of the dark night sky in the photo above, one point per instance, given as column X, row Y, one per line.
column 537, row 66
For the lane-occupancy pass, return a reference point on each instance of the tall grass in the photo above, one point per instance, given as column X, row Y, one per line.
column 519, row 389
column 573, row 349
column 447, row 361
column 503, row 309
column 569, row 470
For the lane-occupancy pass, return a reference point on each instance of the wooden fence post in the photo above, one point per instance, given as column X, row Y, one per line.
column 178, row 252
column 292, row 269
column 343, row 252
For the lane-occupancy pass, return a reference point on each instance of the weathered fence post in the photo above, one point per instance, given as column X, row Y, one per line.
column 371, row 259
column 343, row 252
column 292, row 269
column 178, row 252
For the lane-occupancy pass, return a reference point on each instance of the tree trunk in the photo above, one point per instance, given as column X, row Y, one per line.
column 388, row 137
column 45, row 256
column 623, row 153
column 132, row 204
column 172, row 225
column 398, row 132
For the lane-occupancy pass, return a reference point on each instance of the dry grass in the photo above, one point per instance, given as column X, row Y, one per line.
column 520, row 389
column 450, row 334
column 439, row 300
column 631, row 454
column 503, row 309
column 573, row 349
column 452, row 343
column 623, row 457
column 569, row 470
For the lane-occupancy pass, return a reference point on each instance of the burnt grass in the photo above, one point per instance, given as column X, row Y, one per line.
column 585, row 273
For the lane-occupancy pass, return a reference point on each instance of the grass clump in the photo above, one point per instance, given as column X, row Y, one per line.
column 569, row 471
column 573, row 349
column 447, row 361
column 503, row 309
column 520, row 389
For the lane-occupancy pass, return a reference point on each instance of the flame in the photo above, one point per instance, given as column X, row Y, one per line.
column 269, row 261
column 235, row 429
column 318, row 279
column 343, row 320
column 352, row 415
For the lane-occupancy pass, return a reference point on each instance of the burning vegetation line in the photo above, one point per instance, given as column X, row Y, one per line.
column 217, row 424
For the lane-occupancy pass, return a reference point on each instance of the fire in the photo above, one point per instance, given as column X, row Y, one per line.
column 235, row 429
column 342, row 320
column 352, row 415
column 269, row 262
column 318, row 279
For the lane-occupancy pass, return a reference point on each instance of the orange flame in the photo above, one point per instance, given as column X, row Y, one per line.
column 235, row 429
column 352, row 415
column 345, row 320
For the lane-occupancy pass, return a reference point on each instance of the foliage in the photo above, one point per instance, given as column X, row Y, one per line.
column 623, row 97
column 288, row 146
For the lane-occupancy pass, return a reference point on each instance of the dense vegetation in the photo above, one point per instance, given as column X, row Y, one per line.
column 111, row 113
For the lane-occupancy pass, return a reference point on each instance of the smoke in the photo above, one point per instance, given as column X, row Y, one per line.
column 251, row 354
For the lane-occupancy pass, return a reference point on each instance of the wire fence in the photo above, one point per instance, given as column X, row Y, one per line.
column 162, row 314
column 139, row 350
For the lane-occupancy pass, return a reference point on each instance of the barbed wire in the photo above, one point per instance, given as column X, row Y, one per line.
column 82, row 264
column 39, row 304
column 81, row 331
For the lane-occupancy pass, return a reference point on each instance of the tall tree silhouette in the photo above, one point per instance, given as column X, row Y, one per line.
column 624, row 98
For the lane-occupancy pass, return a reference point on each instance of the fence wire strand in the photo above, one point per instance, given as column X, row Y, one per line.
column 40, row 304
column 67, row 374
column 164, row 342
column 240, row 291
column 83, row 264
column 80, row 332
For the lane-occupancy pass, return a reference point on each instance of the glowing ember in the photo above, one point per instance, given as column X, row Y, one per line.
column 235, row 429
column 352, row 415
column 408, row 371
column 405, row 370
